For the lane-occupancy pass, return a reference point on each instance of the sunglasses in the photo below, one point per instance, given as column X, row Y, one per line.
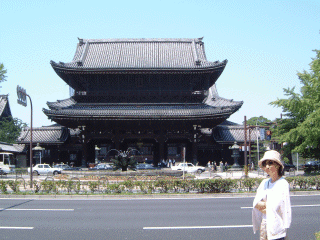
column 264, row 163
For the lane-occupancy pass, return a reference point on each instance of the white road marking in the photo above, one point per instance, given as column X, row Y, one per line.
column 18, row 228
column 196, row 227
column 26, row 209
column 312, row 205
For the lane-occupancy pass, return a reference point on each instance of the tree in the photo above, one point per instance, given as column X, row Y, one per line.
column 257, row 121
column 124, row 161
column 260, row 121
column 301, row 126
column 2, row 73
column 10, row 129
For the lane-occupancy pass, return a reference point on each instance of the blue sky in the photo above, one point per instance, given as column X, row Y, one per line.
column 266, row 43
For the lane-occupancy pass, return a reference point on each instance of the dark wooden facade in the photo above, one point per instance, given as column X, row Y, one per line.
column 155, row 95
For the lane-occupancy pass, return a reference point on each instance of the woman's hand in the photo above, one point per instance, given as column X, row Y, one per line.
column 261, row 206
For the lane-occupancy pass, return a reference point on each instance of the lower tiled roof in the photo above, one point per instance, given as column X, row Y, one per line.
column 233, row 133
column 56, row 134
column 142, row 111
column 212, row 106
column 13, row 148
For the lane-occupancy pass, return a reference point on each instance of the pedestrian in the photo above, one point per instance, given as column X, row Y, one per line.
column 209, row 164
column 174, row 162
column 214, row 166
column 221, row 166
column 226, row 166
column 271, row 206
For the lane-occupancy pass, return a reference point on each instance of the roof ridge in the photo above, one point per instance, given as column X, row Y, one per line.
column 119, row 40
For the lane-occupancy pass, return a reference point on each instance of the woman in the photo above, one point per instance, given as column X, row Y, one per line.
column 271, row 206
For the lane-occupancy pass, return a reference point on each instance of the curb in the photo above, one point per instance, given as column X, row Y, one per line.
column 147, row 196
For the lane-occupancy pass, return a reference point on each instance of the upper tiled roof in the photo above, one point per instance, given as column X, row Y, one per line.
column 4, row 106
column 40, row 135
column 137, row 54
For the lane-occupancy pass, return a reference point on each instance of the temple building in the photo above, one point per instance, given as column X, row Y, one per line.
column 157, row 96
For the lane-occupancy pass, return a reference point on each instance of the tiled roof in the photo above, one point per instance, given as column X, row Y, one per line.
column 13, row 148
column 44, row 135
column 61, row 103
column 95, row 54
column 233, row 133
column 4, row 106
column 146, row 110
column 211, row 106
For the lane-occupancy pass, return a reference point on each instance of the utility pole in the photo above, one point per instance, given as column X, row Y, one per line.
column 245, row 142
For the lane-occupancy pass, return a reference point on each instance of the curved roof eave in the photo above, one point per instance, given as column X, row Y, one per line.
column 63, row 68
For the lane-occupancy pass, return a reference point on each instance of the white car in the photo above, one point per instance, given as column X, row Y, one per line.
column 188, row 167
column 44, row 169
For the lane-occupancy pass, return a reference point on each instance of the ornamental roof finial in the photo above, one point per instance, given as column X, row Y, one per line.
column 80, row 41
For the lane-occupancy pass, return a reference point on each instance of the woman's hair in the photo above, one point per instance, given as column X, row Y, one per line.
column 280, row 170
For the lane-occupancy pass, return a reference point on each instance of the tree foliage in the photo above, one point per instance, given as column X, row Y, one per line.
column 3, row 71
column 260, row 121
column 301, row 126
column 124, row 161
column 10, row 129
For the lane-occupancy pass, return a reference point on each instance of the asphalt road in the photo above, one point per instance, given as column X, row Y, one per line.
column 163, row 218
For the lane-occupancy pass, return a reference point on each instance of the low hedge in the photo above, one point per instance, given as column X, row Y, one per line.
column 160, row 185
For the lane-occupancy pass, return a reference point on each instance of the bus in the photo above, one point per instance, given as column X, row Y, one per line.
column 7, row 162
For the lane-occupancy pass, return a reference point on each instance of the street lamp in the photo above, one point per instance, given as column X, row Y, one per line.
column 40, row 149
column 235, row 154
column 22, row 100
column 97, row 149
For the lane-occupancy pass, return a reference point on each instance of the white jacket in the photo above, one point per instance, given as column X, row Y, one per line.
column 278, row 208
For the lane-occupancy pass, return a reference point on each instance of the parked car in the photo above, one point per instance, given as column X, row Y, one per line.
column 146, row 166
column 44, row 169
column 289, row 167
column 66, row 167
column 188, row 167
column 2, row 172
column 311, row 166
column 102, row 166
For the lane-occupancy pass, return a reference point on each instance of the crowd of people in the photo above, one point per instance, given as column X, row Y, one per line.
column 221, row 167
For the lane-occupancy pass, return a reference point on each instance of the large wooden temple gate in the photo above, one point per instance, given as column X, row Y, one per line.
column 134, row 92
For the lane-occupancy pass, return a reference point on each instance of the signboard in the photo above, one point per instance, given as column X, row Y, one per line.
column 22, row 96
column 262, row 134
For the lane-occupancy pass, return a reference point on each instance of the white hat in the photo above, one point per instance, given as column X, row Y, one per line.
column 271, row 155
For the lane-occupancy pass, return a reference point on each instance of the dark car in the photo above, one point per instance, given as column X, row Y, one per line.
column 312, row 166
column 2, row 172
column 65, row 167
column 146, row 166
column 289, row 167
column 102, row 166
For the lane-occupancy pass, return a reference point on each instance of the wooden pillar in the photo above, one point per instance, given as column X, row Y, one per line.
column 195, row 145
column 161, row 148
column 84, row 146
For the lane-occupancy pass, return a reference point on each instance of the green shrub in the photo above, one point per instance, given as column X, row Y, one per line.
column 3, row 186
column 129, row 185
column 48, row 186
column 249, row 183
column 115, row 188
column 93, row 185
column 143, row 186
column 14, row 185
